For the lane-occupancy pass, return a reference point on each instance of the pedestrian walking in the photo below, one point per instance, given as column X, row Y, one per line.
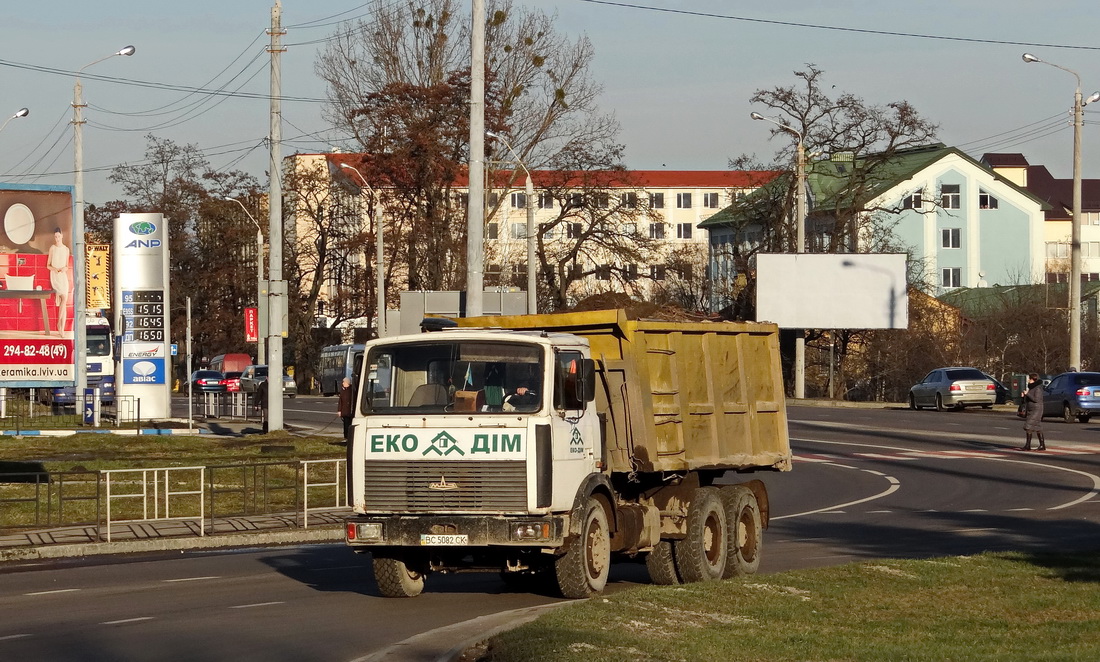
column 347, row 407
column 1031, row 409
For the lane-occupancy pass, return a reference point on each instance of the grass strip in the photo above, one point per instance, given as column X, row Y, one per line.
column 995, row 606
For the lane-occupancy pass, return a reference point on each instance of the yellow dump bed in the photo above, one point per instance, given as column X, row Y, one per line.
column 679, row 396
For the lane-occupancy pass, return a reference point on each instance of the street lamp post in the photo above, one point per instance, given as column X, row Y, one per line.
column 800, row 245
column 259, row 273
column 79, row 293
column 22, row 112
column 1075, row 226
column 379, row 260
column 529, row 192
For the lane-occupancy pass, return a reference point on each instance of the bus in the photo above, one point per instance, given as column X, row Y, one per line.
column 337, row 362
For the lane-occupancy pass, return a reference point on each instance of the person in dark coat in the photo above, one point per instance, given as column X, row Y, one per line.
column 347, row 407
column 1032, row 407
column 261, row 402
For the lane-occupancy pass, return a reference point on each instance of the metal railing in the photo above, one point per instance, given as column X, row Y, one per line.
column 169, row 501
column 161, row 482
column 37, row 409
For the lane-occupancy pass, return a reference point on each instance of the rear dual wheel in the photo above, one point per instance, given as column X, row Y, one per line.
column 745, row 531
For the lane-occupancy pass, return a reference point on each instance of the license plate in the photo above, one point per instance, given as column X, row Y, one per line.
column 439, row 539
column 973, row 387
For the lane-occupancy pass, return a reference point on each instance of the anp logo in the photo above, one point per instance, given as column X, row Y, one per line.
column 143, row 228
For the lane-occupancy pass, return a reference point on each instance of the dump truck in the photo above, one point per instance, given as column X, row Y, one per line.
column 547, row 446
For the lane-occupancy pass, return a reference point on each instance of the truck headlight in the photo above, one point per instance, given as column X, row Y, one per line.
column 535, row 531
column 368, row 532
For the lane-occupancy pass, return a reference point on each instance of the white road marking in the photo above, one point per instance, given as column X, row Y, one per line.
column 60, row 590
column 266, row 604
column 14, row 636
column 189, row 579
column 128, row 620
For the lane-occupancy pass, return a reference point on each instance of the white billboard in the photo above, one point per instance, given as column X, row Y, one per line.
column 832, row 291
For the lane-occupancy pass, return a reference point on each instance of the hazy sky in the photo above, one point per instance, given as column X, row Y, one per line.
column 678, row 80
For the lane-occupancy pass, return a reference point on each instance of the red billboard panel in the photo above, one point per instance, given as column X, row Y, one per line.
column 36, row 286
column 251, row 325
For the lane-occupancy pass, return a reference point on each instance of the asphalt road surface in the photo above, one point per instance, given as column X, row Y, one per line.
column 867, row 483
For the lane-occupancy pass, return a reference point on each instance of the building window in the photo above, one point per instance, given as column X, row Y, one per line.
column 492, row 231
column 462, row 200
column 603, row 200
column 494, row 199
column 683, row 201
column 573, row 230
column 951, row 238
column 1057, row 250
column 629, row 200
column 683, row 230
column 914, row 200
column 684, row 271
column 952, row 277
column 657, row 200
column 519, row 201
column 1090, row 217
column 1057, row 277
column 546, row 201
column 986, row 201
column 519, row 231
column 949, row 196
column 657, row 271
column 656, row 230
column 710, row 200
column 631, row 272
column 603, row 272
column 576, row 199
column 1090, row 277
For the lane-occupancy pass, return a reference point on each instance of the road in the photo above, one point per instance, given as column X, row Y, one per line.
column 868, row 483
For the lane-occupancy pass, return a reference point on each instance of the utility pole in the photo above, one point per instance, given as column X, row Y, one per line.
column 276, row 289
column 475, row 223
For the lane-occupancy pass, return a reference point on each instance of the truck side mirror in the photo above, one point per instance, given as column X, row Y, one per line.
column 586, row 385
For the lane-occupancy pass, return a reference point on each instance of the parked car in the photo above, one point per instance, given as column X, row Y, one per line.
column 254, row 375
column 1002, row 390
column 207, row 381
column 1073, row 395
column 251, row 377
column 233, row 382
column 955, row 388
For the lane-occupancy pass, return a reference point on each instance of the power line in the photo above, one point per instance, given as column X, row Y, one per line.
column 836, row 28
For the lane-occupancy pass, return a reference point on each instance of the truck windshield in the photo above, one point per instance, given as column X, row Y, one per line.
column 460, row 376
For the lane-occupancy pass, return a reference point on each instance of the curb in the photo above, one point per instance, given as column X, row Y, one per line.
column 50, row 552
column 68, row 433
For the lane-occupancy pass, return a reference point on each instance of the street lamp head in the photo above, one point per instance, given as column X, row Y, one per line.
column 1028, row 57
column 757, row 116
column 1093, row 98
column 22, row 112
column 129, row 50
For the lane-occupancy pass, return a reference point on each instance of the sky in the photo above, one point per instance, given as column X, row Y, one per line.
column 677, row 74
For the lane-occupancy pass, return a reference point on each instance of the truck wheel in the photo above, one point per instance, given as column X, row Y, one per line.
column 662, row 565
column 396, row 579
column 743, row 515
column 582, row 571
column 701, row 555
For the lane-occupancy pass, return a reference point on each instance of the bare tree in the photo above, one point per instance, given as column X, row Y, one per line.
column 399, row 85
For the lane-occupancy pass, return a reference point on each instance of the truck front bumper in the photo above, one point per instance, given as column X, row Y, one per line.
column 456, row 531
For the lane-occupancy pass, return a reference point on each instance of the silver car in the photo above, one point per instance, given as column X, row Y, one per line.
column 953, row 388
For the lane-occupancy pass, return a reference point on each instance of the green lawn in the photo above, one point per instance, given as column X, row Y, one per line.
column 1003, row 607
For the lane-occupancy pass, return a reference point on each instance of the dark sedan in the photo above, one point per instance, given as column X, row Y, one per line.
column 207, row 381
column 1072, row 395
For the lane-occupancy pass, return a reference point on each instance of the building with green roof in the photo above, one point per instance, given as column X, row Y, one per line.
column 962, row 224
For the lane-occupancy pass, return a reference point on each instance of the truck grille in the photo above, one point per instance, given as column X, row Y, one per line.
column 477, row 486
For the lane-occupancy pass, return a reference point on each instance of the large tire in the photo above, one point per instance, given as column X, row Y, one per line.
column 1067, row 414
column 582, row 571
column 661, row 564
column 745, row 531
column 396, row 579
column 701, row 555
